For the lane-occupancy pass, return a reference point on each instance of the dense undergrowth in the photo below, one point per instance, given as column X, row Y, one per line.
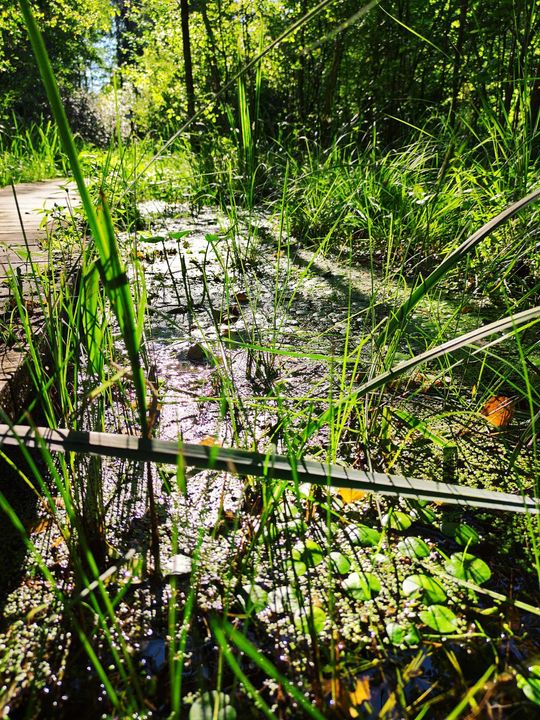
column 137, row 597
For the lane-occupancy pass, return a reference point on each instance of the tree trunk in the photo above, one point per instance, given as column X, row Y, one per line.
column 188, row 64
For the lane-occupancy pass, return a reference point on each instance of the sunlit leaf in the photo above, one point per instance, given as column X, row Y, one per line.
column 305, row 618
column 468, row 567
column 396, row 520
column 349, row 496
column 462, row 533
column 257, row 597
column 499, row 410
column 439, row 618
column 308, row 552
column 363, row 535
column 413, row 547
column 432, row 591
column 362, row 586
column 361, row 692
column 340, row 563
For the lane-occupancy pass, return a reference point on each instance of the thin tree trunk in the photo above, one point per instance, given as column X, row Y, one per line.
column 331, row 85
column 214, row 67
column 188, row 64
column 458, row 60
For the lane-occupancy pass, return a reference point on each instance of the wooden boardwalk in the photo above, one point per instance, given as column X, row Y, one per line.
column 25, row 224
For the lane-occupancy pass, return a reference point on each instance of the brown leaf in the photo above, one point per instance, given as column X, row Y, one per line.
column 499, row 410
column 40, row 526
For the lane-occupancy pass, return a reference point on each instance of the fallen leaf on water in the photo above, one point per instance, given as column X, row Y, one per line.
column 349, row 496
column 40, row 526
column 360, row 694
column 499, row 410
column 210, row 441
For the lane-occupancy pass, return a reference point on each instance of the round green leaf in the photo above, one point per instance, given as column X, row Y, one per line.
column 412, row 635
column 363, row 535
column 203, row 707
column 362, row 586
column 432, row 591
column 305, row 616
column 413, row 547
column 257, row 598
column 281, row 599
column 340, row 563
column 439, row 618
column 396, row 520
column 399, row 635
column 308, row 552
column 468, row 567
column 396, row 633
column 462, row 533
column 300, row 568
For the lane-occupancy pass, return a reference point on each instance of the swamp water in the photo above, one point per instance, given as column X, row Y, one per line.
column 358, row 603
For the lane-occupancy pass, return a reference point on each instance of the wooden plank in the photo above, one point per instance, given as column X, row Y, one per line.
column 19, row 245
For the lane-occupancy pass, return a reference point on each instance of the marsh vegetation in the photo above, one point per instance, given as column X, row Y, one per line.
column 295, row 377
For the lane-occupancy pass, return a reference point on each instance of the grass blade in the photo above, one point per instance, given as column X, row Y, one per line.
column 397, row 319
column 243, row 644
column 247, row 463
column 114, row 276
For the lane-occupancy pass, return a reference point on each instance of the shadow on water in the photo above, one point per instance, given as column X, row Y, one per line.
column 23, row 502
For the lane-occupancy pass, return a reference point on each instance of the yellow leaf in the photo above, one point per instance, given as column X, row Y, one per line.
column 210, row 441
column 361, row 693
column 349, row 496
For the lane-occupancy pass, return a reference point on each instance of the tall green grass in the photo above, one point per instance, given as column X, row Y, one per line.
column 397, row 206
column 30, row 154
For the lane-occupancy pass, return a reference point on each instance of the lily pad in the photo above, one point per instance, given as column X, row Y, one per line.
column 300, row 568
column 281, row 599
column 396, row 633
column 412, row 635
column 340, row 563
column 362, row 586
column 396, row 520
column 305, row 616
column 257, row 597
column 203, row 707
column 462, row 533
column 468, row 567
column 413, row 547
column 308, row 552
column 439, row 618
column 432, row 591
column 363, row 535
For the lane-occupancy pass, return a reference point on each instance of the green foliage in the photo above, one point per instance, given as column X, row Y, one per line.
column 70, row 28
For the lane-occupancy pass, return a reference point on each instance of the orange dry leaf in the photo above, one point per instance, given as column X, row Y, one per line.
column 360, row 694
column 499, row 410
column 209, row 441
column 39, row 526
column 349, row 496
